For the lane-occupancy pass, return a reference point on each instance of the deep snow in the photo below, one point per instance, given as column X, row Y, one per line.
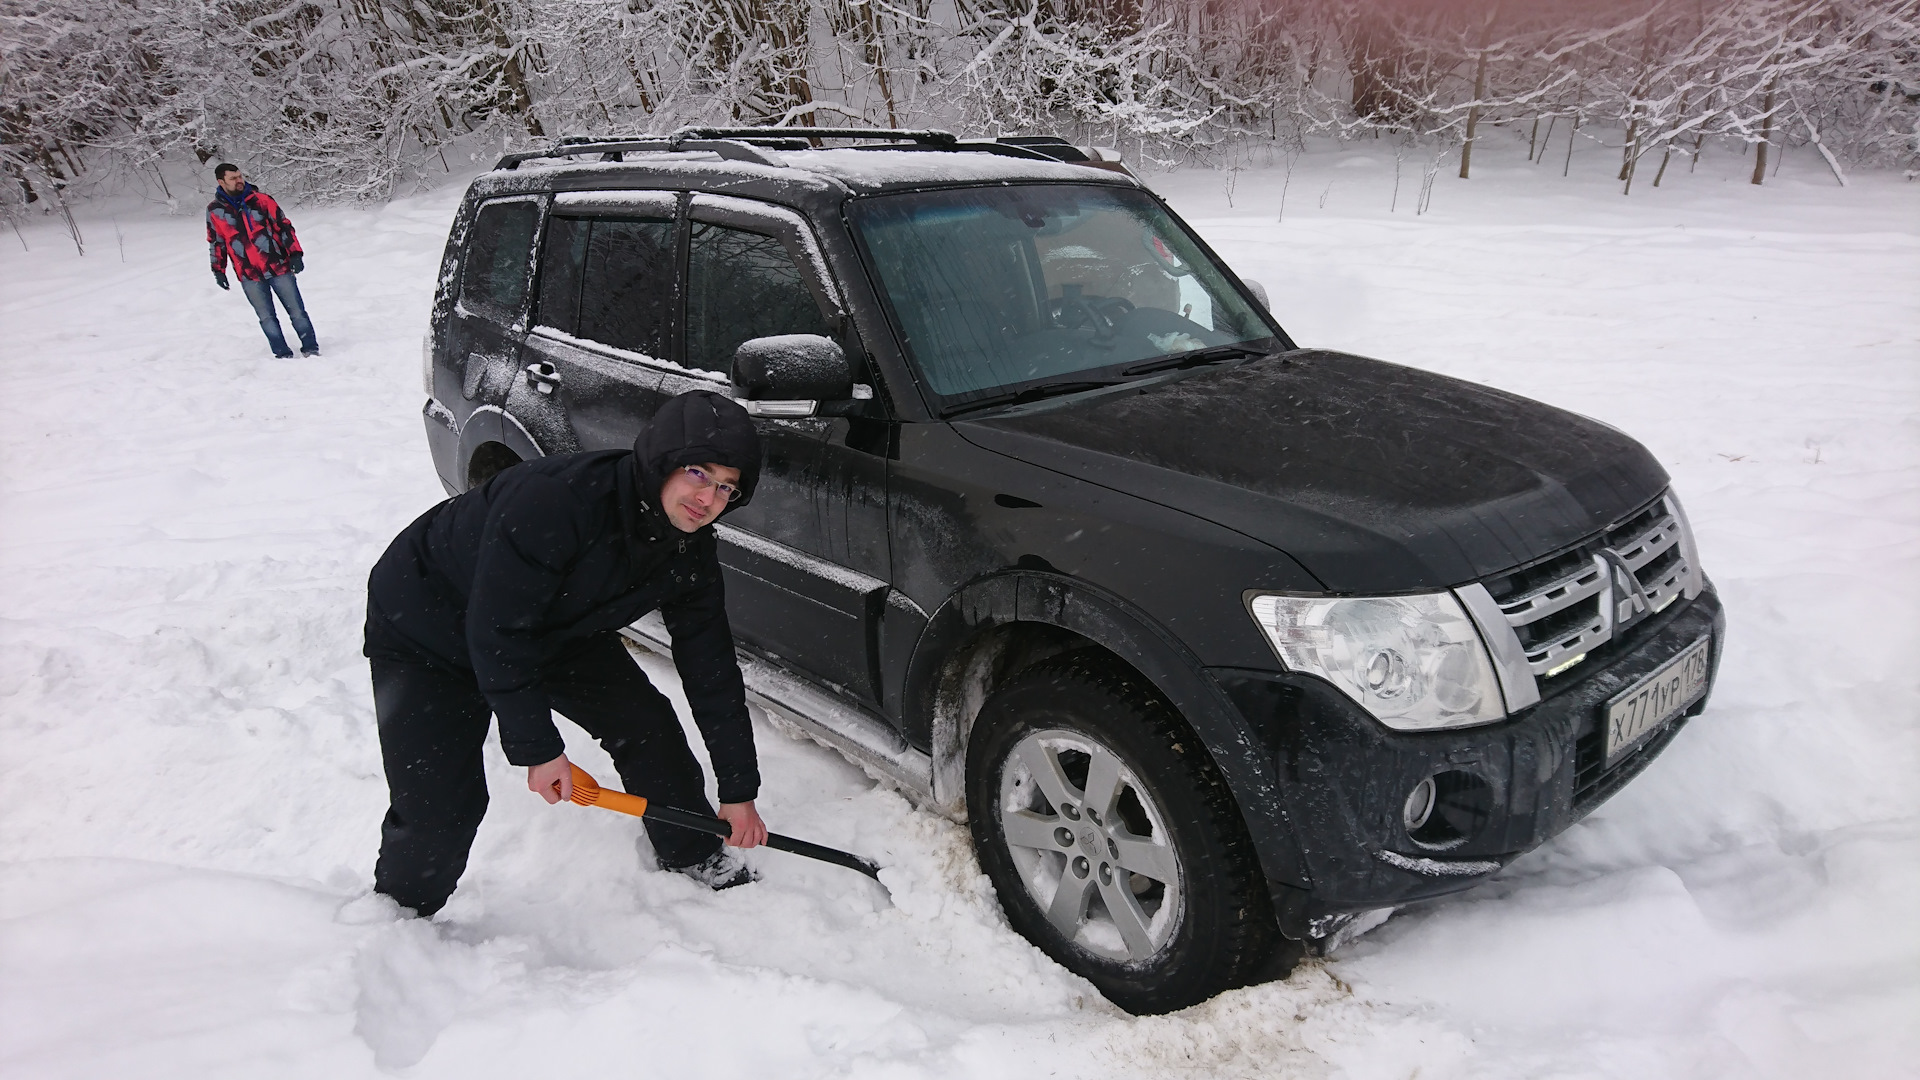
column 190, row 786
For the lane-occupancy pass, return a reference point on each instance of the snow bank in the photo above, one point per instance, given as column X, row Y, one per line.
column 190, row 783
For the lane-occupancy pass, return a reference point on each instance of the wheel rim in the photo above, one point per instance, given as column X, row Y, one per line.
column 1091, row 845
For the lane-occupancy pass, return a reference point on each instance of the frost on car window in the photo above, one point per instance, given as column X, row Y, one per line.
column 1002, row 286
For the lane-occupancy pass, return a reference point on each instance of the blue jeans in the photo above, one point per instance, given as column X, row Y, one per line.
column 288, row 291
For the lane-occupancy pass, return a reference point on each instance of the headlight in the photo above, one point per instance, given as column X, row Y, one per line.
column 426, row 363
column 1415, row 662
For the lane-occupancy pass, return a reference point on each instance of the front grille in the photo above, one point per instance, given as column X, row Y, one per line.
column 1563, row 608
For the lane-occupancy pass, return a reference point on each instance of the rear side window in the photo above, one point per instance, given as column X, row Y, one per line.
column 495, row 277
column 742, row 285
column 626, row 285
column 562, row 258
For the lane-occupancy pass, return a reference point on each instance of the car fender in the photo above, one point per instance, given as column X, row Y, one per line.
column 946, row 702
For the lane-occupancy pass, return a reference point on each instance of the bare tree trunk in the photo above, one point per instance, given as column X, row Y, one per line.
column 66, row 212
column 1630, row 156
column 1766, row 135
column 516, row 78
column 1832, row 162
column 877, row 58
column 1473, row 111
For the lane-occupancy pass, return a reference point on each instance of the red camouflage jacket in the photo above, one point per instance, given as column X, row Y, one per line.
column 256, row 235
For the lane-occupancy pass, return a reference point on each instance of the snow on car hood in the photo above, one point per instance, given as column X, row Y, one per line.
column 1375, row 477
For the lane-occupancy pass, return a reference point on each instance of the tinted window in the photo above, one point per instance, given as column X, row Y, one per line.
column 626, row 289
column 1005, row 286
column 742, row 285
column 562, row 259
column 495, row 277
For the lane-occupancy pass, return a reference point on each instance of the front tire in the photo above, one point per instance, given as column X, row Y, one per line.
column 1112, row 841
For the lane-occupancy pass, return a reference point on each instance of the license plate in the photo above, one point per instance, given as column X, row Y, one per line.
column 1656, row 699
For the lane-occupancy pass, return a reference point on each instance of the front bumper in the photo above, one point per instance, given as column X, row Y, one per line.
column 1516, row 783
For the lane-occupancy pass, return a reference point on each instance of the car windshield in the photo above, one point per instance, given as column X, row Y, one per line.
column 1012, row 288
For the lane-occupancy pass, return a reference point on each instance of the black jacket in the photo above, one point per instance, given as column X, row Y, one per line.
column 510, row 576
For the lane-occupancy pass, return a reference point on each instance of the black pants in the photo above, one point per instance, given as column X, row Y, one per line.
column 433, row 723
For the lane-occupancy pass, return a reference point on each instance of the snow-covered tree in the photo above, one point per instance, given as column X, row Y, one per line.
column 353, row 98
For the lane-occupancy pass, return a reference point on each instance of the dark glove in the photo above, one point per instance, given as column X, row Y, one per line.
column 298, row 262
column 221, row 277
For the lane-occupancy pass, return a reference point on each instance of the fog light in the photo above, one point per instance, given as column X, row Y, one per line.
column 1451, row 807
column 1419, row 805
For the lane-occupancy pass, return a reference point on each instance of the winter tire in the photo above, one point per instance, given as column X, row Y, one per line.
column 1112, row 841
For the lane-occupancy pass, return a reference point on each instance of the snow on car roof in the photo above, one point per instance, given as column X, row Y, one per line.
column 877, row 170
column 861, row 171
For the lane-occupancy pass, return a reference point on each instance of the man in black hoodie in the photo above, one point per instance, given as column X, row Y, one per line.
column 507, row 600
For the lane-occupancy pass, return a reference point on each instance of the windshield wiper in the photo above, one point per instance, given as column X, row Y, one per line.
column 1034, row 393
column 1197, row 358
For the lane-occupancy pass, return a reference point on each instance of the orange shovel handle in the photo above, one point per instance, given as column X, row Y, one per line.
column 588, row 792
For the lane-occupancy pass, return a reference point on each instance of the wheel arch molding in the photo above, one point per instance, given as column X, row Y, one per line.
column 1000, row 624
column 492, row 425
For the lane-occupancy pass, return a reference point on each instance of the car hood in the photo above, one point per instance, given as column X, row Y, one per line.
column 1375, row 477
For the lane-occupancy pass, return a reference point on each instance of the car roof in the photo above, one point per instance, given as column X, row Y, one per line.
column 805, row 179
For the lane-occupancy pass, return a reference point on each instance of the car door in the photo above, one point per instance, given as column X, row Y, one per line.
column 488, row 321
column 806, row 561
column 607, row 305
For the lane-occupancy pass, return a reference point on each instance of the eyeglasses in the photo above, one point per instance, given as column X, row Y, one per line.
column 701, row 480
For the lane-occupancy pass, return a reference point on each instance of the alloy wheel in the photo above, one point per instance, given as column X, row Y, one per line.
column 1091, row 845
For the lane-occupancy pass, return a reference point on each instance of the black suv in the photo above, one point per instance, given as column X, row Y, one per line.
column 1222, row 646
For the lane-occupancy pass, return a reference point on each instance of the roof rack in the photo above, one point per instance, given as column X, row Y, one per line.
column 752, row 143
column 926, row 137
column 731, row 143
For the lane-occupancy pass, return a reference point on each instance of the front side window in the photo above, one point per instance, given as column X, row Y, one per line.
column 742, row 285
column 495, row 276
column 1005, row 287
column 626, row 285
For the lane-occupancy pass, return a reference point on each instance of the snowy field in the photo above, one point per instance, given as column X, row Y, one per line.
column 189, row 779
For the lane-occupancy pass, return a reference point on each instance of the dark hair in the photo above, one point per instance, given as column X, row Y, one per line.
column 221, row 170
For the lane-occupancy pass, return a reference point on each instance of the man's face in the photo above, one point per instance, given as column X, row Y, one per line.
column 233, row 182
column 692, row 500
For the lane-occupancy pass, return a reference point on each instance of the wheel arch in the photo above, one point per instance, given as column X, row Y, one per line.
column 999, row 625
column 490, row 426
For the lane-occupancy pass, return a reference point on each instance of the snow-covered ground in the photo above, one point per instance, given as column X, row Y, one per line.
column 190, row 787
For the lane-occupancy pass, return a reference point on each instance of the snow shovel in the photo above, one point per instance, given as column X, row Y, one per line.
column 588, row 792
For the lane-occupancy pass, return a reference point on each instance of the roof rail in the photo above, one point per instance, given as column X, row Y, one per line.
column 613, row 149
column 752, row 143
column 928, row 136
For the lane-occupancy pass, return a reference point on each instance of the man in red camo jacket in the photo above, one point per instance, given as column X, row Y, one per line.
column 246, row 226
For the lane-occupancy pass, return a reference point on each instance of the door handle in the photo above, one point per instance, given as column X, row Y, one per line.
column 543, row 377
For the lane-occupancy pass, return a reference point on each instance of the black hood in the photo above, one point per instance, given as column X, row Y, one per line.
column 698, row 427
column 1375, row 477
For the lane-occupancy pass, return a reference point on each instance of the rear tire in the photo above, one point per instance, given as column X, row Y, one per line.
column 1111, row 839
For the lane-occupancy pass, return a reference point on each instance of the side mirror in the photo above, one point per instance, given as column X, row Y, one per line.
column 790, row 374
column 1259, row 292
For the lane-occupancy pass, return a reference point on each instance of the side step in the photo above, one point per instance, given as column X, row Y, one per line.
column 863, row 738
